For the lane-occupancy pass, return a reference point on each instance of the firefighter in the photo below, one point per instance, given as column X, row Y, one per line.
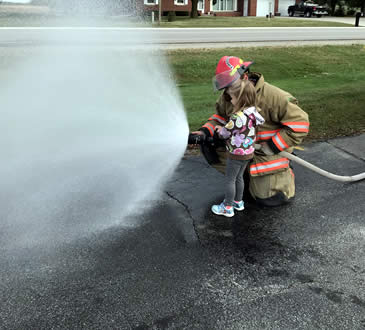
column 271, row 179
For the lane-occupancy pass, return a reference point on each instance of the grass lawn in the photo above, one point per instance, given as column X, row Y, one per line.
column 328, row 81
column 210, row 21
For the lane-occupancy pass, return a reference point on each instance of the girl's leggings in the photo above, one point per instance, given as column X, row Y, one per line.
column 234, row 184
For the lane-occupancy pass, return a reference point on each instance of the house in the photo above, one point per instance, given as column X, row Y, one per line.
column 223, row 7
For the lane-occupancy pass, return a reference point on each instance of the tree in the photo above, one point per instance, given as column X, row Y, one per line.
column 332, row 4
column 159, row 12
column 356, row 4
column 350, row 3
column 194, row 9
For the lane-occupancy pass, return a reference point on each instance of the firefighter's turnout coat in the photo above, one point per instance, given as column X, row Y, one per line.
column 286, row 124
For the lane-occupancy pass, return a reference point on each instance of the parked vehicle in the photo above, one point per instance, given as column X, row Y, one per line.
column 307, row 9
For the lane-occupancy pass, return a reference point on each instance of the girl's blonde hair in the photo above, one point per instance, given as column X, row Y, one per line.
column 245, row 92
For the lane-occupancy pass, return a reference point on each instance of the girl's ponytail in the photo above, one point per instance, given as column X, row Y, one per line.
column 247, row 95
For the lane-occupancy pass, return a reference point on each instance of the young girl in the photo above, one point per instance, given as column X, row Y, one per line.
column 240, row 135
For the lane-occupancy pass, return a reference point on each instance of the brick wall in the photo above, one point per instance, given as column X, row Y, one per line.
column 227, row 13
column 167, row 5
column 252, row 5
column 206, row 6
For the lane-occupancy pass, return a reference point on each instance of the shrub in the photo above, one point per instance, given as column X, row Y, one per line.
column 183, row 13
column 339, row 12
column 171, row 16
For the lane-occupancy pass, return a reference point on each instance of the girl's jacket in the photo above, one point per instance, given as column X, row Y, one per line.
column 239, row 133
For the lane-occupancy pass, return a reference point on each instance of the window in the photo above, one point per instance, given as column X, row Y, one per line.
column 180, row 2
column 224, row 5
column 200, row 4
column 151, row 2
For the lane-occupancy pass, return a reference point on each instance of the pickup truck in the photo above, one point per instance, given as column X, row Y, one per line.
column 307, row 9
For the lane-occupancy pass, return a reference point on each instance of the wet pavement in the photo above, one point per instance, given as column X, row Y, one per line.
column 300, row 266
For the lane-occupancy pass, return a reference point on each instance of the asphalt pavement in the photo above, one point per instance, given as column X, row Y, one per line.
column 177, row 37
column 300, row 266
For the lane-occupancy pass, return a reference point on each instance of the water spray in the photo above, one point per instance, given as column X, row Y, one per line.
column 88, row 136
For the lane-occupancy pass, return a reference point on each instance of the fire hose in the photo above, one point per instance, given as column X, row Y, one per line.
column 318, row 170
column 208, row 145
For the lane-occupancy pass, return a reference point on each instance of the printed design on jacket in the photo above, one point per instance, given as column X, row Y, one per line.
column 240, row 131
column 241, row 152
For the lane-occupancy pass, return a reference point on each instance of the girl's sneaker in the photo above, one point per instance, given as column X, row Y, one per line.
column 221, row 209
column 239, row 206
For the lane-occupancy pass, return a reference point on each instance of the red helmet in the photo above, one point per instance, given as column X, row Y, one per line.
column 229, row 69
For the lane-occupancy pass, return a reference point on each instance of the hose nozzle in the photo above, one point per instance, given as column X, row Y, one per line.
column 196, row 139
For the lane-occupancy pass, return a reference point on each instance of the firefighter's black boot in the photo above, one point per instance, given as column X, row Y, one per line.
column 276, row 200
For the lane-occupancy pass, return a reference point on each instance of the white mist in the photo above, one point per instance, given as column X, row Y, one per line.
column 89, row 134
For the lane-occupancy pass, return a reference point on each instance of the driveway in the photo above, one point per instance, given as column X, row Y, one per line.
column 347, row 20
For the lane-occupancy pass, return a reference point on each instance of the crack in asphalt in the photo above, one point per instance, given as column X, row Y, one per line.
column 186, row 207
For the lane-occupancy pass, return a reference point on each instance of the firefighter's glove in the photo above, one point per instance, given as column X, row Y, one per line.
column 197, row 137
column 265, row 149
